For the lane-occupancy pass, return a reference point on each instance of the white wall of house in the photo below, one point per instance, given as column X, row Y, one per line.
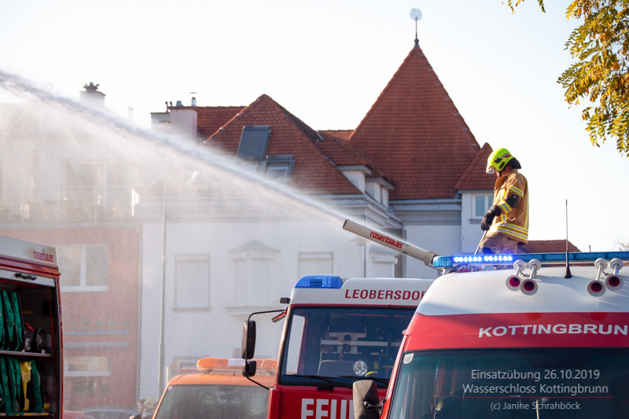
column 441, row 239
column 183, row 122
column 239, row 268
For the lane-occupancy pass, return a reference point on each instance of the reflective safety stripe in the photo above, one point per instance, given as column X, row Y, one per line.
column 516, row 191
column 505, row 207
column 513, row 231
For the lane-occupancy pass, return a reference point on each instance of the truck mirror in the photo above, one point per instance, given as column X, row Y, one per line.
column 248, row 346
column 366, row 401
column 249, row 369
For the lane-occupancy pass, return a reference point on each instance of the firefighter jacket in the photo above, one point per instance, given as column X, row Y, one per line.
column 512, row 222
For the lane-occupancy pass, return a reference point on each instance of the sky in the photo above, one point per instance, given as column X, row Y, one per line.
column 326, row 61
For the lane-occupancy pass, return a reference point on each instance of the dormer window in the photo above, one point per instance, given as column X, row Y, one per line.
column 278, row 167
column 253, row 142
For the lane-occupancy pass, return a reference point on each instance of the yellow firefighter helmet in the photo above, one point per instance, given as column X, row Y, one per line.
column 498, row 160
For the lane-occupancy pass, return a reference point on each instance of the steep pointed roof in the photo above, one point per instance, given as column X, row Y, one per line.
column 312, row 171
column 415, row 134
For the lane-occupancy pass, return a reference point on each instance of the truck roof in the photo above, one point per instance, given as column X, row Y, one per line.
column 334, row 290
column 226, row 371
column 234, row 379
column 487, row 292
column 27, row 251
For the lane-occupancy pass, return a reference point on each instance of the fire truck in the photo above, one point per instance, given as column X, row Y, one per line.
column 31, row 368
column 217, row 389
column 547, row 337
column 336, row 331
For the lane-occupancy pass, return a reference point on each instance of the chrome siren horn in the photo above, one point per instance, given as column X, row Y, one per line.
column 529, row 286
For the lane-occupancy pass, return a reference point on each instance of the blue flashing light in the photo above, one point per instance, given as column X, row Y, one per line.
column 320, row 281
column 545, row 258
column 446, row 261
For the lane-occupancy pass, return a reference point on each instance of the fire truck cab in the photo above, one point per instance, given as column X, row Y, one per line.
column 337, row 331
column 538, row 341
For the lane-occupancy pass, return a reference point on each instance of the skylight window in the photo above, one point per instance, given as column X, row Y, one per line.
column 253, row 142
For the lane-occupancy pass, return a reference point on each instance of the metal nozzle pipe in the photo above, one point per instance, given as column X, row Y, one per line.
column 391, row 243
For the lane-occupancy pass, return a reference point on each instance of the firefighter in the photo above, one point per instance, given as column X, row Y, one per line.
column 506, row 223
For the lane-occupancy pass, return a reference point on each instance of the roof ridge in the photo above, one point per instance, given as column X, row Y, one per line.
column 234, row 118
column 264, row 108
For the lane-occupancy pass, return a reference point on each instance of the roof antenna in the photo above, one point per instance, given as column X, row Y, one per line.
column 416, row 15
column 568, row 274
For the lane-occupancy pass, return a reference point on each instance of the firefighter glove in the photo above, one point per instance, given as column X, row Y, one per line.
column 489, row 217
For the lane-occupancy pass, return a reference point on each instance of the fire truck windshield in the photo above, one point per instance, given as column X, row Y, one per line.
column 336, row 346
column 513, row 383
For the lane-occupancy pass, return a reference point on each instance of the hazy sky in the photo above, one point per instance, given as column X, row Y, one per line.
column 326, row 61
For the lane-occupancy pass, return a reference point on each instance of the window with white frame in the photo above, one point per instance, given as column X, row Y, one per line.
column 315, row 263
column 85, row 267
column 192, row 281
column 86, row 366
column 480, row 204
column 253, row 274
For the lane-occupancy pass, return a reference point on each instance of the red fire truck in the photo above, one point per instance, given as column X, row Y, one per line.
column 31, row 368
column 336, row 331
column 538, row 341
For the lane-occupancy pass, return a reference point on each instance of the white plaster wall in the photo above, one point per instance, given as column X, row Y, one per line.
column 183, row 122
column 441, row 239
column 217, row 331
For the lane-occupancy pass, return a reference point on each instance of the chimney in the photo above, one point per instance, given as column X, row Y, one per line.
column 92, row 97
column 194, row 101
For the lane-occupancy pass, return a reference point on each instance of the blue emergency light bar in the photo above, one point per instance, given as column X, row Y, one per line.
column 546, row 258
column 320, row 281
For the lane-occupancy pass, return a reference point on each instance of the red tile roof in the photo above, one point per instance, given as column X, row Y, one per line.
column 211, row 118
column 312, row 171
column 547, row 246
column 415, row 135
column 475, row 177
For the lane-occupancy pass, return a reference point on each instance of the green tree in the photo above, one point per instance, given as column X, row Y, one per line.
column 600, row 74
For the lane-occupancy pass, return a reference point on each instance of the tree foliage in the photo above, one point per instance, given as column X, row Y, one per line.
column 600, row 74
